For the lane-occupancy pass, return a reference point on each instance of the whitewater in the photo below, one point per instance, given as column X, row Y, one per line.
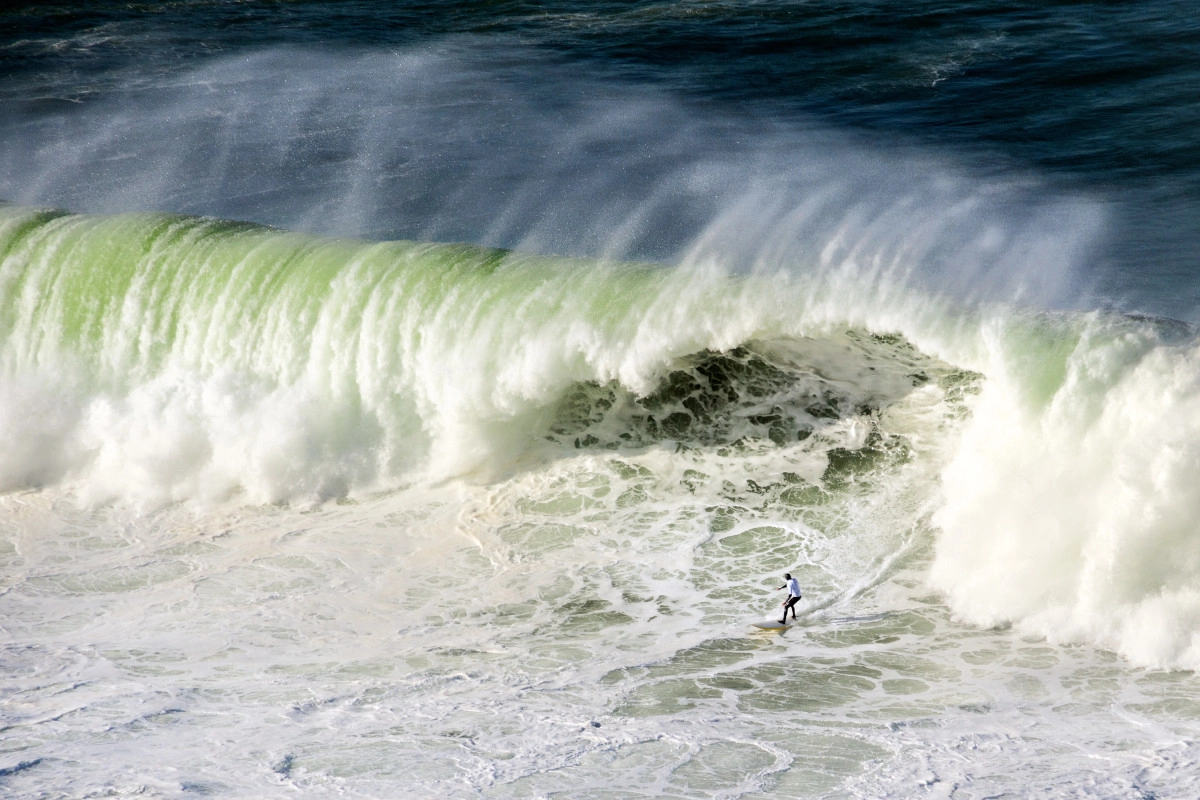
column 292, row 504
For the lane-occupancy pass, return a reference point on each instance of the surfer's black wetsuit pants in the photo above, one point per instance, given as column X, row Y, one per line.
column 791, row 603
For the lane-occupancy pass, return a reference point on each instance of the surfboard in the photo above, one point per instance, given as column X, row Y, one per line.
column 771, row 625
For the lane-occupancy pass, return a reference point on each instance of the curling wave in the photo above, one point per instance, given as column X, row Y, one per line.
column 158, row 358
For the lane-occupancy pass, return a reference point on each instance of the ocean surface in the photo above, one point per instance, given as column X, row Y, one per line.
column 424, row 400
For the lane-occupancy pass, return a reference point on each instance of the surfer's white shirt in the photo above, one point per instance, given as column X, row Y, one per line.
column 793, row 587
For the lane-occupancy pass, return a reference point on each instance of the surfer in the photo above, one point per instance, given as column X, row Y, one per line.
column 793, row 587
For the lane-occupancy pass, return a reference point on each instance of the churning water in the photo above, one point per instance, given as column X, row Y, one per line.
column 322, row 501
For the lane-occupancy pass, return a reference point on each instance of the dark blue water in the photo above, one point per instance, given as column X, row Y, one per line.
column 463, row 120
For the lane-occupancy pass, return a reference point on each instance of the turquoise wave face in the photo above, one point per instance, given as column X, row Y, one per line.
column 395, row 358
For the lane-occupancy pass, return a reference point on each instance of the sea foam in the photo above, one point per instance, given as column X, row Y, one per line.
column 1068, row 506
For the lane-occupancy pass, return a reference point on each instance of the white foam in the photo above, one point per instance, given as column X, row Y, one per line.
column 1069, row 507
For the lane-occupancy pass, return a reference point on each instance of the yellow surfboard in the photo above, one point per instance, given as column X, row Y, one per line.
column 772, row 625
